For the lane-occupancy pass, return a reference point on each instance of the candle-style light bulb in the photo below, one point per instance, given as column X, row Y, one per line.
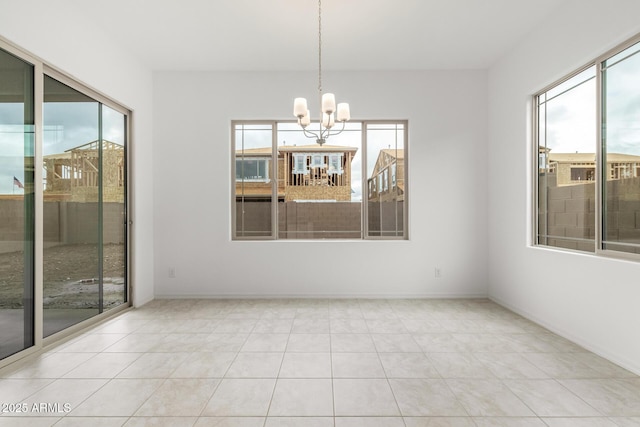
column 344, row 115
column 299, row 107
column 306, row 119
column 328, row 103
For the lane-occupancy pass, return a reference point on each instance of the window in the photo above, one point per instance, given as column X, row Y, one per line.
column 566, row 138
column 620, row 124
column 318, row 192
column 300, row 164
column 335, row 164
column 253, row 190
column 386, row 209
column 587, row 154
column 256, row 169
column 317, row 161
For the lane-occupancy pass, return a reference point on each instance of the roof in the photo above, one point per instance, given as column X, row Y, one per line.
column 397, row 153
column 264, row 151
column 386, row 157
column 58, row 156
column 88, row 146
column 591, row 157
column 313, row 148
column 572, row 157
column 93, row 145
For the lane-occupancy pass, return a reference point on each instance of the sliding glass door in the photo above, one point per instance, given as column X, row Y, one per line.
column 71, row 259
column 84, row 207
column 17, row 210
column 63, row 204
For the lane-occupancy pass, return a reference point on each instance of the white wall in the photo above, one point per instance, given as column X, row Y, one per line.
column 63, row 39
column 192, row 187
column 591, row 300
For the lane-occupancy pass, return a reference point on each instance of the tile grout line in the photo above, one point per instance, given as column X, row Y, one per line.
column 333, row 388
column 386, row 377
column 275, row 384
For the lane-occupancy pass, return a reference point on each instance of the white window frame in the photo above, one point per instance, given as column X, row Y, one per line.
column 305, row 160
column 601, row 170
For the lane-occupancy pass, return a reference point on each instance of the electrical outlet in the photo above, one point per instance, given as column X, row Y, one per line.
column 172, row 272
column 437, row 272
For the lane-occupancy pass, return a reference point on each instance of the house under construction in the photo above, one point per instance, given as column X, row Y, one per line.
column 74, row 174
column 309, row 172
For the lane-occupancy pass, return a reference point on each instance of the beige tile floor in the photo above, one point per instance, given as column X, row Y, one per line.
column 319, row 363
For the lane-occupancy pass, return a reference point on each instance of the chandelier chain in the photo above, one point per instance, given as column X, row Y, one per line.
column 329, row 114
column 320, row 46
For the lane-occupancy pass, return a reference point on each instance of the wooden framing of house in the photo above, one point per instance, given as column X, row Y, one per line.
column 309, row 172
column 580, row 168
column 386, row 182
column 74, row 174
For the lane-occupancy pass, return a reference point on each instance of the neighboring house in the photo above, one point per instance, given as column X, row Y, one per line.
column 386, row 182
column 73, row 175
column 306, row 172
column 580, row 168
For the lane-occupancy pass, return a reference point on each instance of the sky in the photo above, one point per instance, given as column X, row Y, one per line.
column 623, row 106
column 570, row 119
column 66, row 125
column 571, row 116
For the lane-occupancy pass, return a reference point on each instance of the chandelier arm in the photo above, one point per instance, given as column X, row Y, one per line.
column 329, row 133
column 310, row 134
column 326, row 133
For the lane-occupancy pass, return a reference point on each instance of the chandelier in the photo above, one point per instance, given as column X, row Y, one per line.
column 329, row 113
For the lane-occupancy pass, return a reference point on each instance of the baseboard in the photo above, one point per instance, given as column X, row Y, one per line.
column 623, row 362
column 323, row 296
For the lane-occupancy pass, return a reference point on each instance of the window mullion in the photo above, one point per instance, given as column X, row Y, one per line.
column 274, row 180
column 601, row 179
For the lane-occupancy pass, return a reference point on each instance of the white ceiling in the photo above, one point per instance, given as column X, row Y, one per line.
column 283, row 34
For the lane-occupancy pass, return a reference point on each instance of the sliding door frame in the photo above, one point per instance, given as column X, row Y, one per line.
column 103, row 100
column 41, row 68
